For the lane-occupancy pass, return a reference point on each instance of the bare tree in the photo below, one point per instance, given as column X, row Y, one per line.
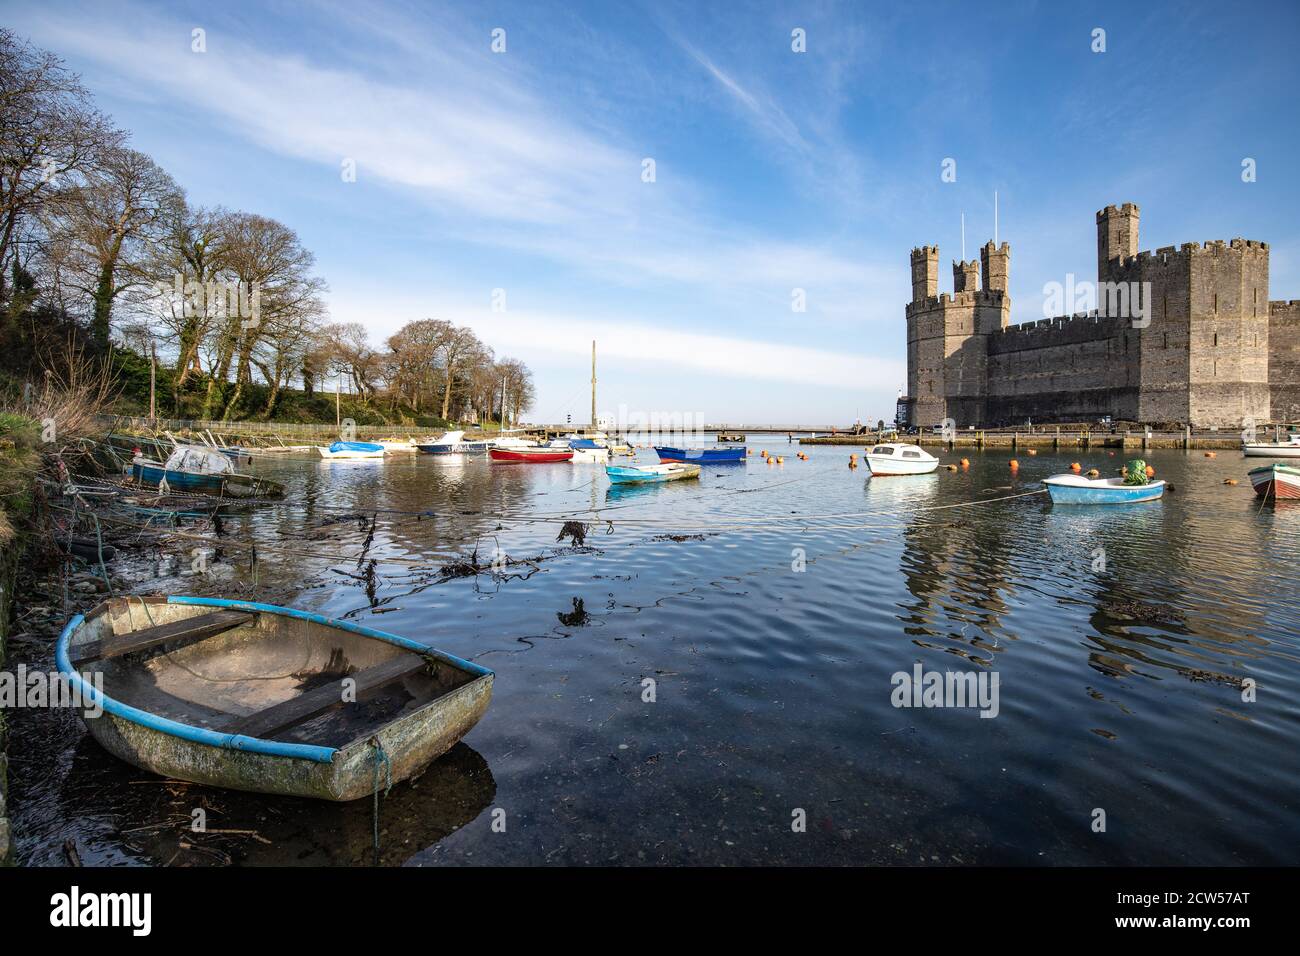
column 49, row 134
column 103, row 230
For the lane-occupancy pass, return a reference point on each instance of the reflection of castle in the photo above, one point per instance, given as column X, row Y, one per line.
column 1179, row 335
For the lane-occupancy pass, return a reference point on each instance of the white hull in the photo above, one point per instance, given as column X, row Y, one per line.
column 1271, row 450
column 883, row 466
column 326, row 453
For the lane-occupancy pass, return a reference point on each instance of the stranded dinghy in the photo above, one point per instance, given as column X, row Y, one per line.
column 265, row 698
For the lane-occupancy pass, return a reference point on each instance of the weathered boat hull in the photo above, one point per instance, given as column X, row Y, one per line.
column 201, row 754
column 229, row 485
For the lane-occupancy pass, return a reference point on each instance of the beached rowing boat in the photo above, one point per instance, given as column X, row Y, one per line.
column 534, row 456
column 1078, row 490
column 644, row 474
column 265, row 698
column 701, row 456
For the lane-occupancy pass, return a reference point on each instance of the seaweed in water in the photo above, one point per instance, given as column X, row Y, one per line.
column 578, row 617
column 575, row 530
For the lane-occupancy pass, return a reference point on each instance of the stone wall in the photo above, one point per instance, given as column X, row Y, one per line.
column 1284, row 360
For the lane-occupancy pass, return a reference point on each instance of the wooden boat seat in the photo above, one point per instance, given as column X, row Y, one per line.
column 297, row 710
column 191, row 630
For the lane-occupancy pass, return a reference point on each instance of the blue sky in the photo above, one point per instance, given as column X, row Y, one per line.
column 774, row 170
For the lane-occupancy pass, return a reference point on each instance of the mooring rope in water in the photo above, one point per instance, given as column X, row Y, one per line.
column 380, row 758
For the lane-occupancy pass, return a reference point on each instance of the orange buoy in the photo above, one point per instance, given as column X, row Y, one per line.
column 1094, row 473
column 1151, row 472
column 1229, row 481
column 1014, row 464
column 951, row 467
column 1033, row 451
column 780, row 460
column 965, row 462
column 1210, row 454
column 1075, row 466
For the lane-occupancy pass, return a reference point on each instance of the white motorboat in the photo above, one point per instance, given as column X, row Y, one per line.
column 896, row 458
column 1290, row 448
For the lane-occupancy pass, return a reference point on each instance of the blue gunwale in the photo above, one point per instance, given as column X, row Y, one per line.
column 700, row 456
column 202, row 735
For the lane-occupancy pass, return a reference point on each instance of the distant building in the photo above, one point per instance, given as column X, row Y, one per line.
column 1184, row 335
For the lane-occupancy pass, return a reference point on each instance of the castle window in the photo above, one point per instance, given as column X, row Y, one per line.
column 1166, row 340
column 1164, row 309
column 1216, row 303
column 1216, row 336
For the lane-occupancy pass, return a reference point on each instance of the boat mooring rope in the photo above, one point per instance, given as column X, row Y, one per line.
column 380, row 758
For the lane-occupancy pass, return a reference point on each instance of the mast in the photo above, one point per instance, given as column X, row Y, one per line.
column 593, row 384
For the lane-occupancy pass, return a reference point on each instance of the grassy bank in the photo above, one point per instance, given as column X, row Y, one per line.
column 18, row 466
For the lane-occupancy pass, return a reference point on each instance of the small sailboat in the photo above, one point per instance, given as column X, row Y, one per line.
column 535, row 455
column 353, row 449
column 1070, row 489
column 265, row 698
column 897, row 458
column 645, row 474
column 191, row 468
column 397, row 446
column 1276, row 482
column 703, row 456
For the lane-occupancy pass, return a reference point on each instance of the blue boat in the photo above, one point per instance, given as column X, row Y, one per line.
column 202, row 470
column 645, row 474
column 701, row 456
column 1078, row 490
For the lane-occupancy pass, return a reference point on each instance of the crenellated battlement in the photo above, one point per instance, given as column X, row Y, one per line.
column 1182, row 333
column 1123, row 209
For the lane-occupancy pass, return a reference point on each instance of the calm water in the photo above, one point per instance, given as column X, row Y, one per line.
column 1119, row 687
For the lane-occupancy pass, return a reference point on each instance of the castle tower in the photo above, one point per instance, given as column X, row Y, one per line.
column 925, row 273
column 965, row 276
column 1117, row 236
column 995, row 267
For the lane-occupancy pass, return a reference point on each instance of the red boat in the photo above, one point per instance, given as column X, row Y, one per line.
column 534, row 455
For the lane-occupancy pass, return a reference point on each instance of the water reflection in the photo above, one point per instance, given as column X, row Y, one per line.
column 154, row 818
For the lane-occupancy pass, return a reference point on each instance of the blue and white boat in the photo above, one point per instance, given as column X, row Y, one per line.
column 204, row 471
column 353, row 449
column 1077, row 490
column 701, row 456
column 448, row 444
column 645, row 474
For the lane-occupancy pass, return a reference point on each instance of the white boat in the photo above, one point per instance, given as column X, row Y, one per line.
column 352, row 449
column 1273, row 449
column 896, row 458
column 511, row 443
column 397, row 446
column 448, row 444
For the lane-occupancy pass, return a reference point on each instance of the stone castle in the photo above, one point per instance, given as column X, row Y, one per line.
column 1199, row 342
